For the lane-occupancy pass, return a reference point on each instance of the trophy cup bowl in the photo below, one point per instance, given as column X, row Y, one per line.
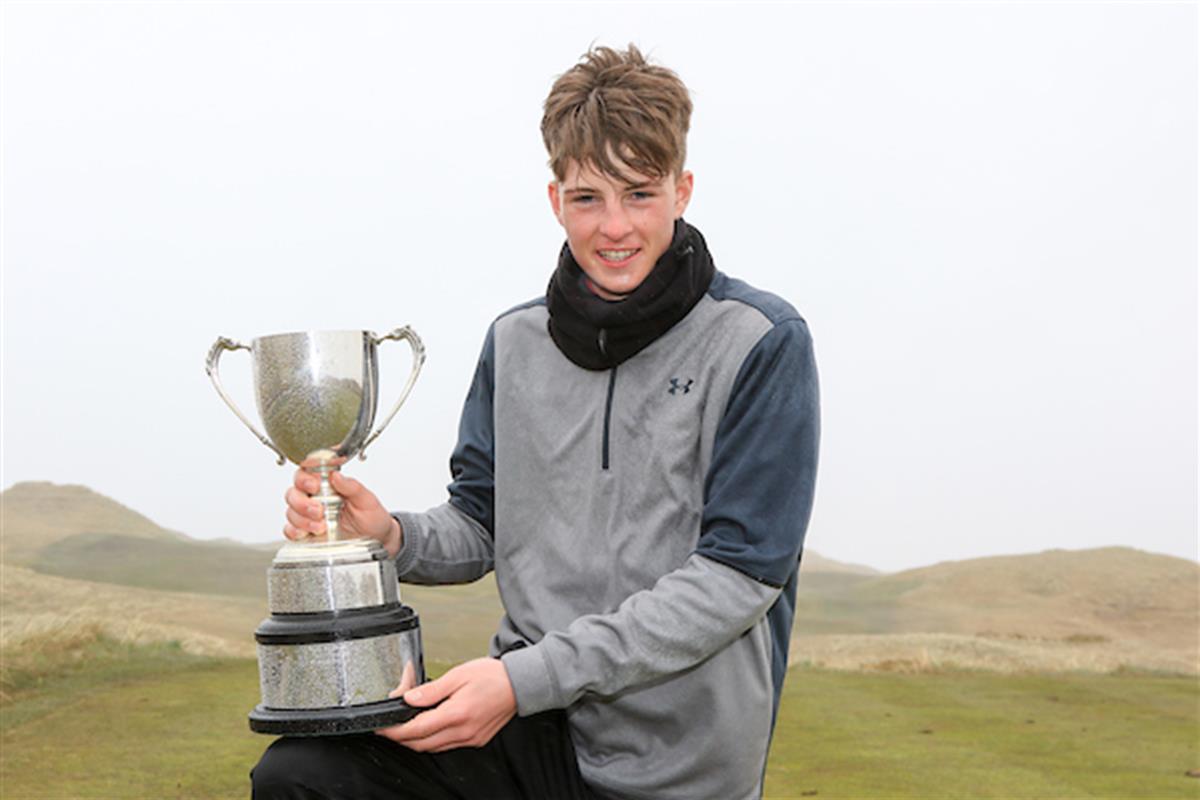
column 338, row 639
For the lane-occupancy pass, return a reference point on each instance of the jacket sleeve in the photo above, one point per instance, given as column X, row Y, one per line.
column 454, row 542
column 757, row 501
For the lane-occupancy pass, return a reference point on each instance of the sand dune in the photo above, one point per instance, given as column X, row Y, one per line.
column 929, row 652
column 35, row 604
column 1092, row 610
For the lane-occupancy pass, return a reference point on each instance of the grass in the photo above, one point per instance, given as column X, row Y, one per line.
column 72, row 658
column 179, row 733
column 103, row 719
column 919, row 652
column 204, row 624
column 84, row 714
column 846, row 603
column 176, row 565
column 974, row 734
column 153, row 722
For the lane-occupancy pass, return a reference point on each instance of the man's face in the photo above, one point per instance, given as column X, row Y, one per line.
column 618, row 230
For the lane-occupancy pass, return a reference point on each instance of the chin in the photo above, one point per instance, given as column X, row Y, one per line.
column 620, row 287
column 621, row 281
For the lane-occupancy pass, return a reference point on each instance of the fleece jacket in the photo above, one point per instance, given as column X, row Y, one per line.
column 645, row 524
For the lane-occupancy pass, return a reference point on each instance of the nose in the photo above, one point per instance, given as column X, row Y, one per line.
column 616, row 224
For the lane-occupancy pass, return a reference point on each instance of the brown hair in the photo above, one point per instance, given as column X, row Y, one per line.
column 615, row 110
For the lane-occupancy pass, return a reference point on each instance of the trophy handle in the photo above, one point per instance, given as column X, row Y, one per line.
column 418, row 352
column 214, row 375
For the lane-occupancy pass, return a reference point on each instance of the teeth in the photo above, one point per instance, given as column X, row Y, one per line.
column 616, row 255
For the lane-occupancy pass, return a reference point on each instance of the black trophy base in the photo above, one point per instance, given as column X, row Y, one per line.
column 331, row 721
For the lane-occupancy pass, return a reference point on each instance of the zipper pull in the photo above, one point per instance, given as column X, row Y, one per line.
column 602, row 342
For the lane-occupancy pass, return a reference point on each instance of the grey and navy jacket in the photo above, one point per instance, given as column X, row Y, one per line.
column 645, row 524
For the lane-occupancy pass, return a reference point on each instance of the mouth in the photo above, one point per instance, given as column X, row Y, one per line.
column 618, row 258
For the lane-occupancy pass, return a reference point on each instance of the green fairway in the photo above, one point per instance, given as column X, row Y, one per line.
column 966, row 734
column 177, row 565
column 155, row 723
column 180, row 733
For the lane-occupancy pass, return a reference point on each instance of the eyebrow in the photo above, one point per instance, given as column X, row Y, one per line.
column 628, row 188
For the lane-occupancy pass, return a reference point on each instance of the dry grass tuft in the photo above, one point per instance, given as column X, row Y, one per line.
column 1085, row 638
column 933, row 652
column 43, row 611
column 46, row 644
column 51, row 634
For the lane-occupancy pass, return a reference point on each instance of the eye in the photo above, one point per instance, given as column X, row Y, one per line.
column 583, row 199
column 641, row 195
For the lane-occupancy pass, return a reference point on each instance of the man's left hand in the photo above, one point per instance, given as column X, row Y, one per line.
column 478, row 702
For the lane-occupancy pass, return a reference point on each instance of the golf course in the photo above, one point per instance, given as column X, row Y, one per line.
column 128, row 667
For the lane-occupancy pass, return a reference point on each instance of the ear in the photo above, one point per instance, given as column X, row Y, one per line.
column 683, row 192
column 555, row 202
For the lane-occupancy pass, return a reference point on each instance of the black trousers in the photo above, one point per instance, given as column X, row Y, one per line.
column 531, row 758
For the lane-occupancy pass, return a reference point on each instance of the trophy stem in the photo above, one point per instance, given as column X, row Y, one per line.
column 331, row 501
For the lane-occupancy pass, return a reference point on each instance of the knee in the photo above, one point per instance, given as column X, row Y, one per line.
column 290, row 768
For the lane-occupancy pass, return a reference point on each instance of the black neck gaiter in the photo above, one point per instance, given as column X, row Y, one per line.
column 598, row 334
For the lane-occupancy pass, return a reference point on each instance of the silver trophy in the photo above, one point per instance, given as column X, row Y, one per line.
column 338, row 640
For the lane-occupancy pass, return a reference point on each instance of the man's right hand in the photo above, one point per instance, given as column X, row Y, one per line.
column 362, row 513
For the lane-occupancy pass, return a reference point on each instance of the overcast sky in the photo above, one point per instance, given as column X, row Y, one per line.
column 987, row 213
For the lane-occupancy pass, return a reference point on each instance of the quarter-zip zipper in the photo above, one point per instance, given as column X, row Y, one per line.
column 602, row 343
column 612, row 382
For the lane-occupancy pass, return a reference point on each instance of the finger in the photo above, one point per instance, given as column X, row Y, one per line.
column 306, row 482
column 434, row 692
column 293, row 533
column 304, row 523
column 302, row 503
column 351, row 489
column 437, row 732
column 408, row 679
column 453, row 737
column 422, row 726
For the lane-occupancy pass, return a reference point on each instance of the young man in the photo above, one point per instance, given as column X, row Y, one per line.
column 636, row 461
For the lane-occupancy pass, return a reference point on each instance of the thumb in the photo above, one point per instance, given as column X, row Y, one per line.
column 434, row 692
column 348, row 488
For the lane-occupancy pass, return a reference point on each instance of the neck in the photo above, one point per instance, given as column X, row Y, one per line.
column 583, row 314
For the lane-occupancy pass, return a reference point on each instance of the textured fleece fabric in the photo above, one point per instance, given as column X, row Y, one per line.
column 645, row 524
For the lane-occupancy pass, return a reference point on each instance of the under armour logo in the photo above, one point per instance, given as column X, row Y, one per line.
column 677, row 387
